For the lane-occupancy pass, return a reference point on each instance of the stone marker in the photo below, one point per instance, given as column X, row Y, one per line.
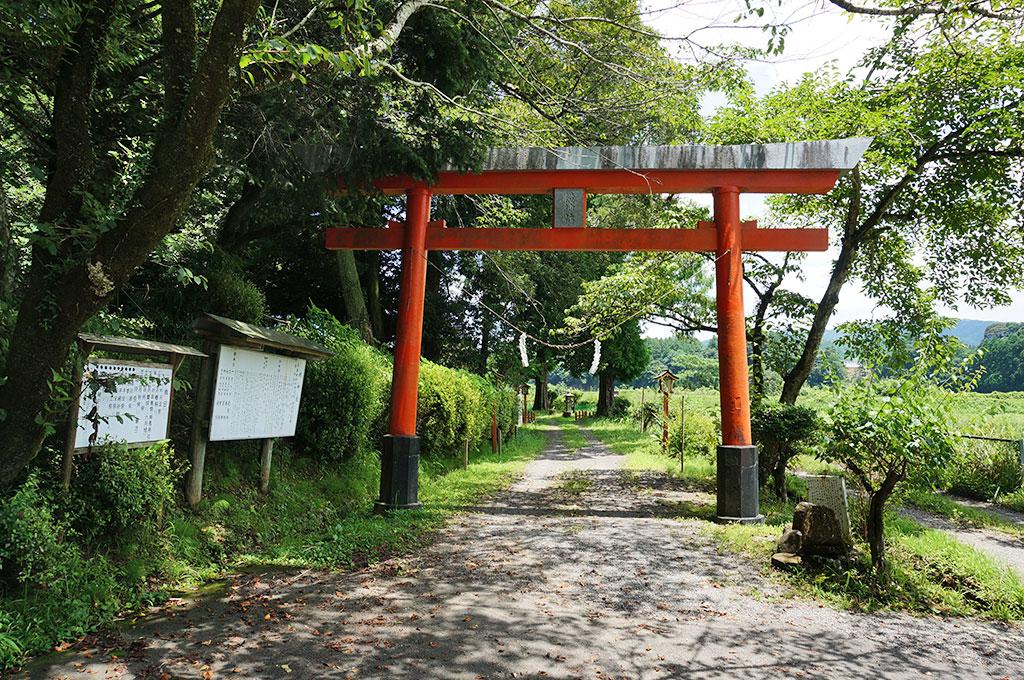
column 821, row 530
column 785, row 560
column 830, row 491
column 791, row 541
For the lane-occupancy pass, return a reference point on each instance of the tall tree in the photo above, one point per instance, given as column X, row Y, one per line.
column 933, row 204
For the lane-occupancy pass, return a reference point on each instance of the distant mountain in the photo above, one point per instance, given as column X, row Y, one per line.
column 1002, row 329
column 969, row 331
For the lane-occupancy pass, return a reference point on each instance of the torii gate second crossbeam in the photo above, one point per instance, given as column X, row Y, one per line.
column 570, row 174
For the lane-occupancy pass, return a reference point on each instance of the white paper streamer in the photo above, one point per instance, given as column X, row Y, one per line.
column 522, row 351
column 597, row 356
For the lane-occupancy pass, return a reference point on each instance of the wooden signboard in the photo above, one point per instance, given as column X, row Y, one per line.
column 126, row 401
column 256, row 394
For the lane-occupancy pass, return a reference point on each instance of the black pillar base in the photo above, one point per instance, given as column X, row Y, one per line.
column 399, row 474
column 737, row 485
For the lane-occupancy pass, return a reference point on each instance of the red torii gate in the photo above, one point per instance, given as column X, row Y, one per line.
column 570, row 173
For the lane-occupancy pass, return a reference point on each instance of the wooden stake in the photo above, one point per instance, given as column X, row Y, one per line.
column 643, row 410
column 465, row 455
column 76, row 396
column 266, row 454
column 682, row 432
column 201, row 425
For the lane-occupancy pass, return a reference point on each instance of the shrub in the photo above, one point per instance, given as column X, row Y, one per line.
column 30, row 535
column 344, row 397
column 456, row 406
column 782, row 431
column 983, row 469
column 120, row 494
column 701, row 436
column 620, row 407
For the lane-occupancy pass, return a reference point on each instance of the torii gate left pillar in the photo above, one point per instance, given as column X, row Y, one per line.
column 725, row 172
column 399, row 463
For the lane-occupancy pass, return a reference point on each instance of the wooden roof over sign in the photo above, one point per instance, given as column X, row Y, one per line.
column 111, row 343
column 239, row 333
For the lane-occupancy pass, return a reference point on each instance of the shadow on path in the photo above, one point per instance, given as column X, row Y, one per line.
column 539, row 582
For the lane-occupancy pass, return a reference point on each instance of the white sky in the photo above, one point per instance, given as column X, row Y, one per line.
column 820, row 34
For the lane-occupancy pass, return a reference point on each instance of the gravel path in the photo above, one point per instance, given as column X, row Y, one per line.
column 541, row 582
column 1005, row 548
column 1009, row 515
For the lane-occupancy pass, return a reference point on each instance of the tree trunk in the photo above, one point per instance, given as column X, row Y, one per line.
column 232, row 234
column 779, row 476
column 352, row 294
column 63, row 292
column 794, row 380
column 486, row 323
column 605, row 393
column 8, row 252
column 876, row 532
column 756, row 363
column 540, row 393
column 876, row 521
column 434, row 330
column 373, row 302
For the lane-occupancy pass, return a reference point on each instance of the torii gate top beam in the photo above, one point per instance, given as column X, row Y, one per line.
column 786, row 168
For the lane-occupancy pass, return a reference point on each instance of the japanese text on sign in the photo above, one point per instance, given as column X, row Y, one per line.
column 123, row 401
column 256, row 395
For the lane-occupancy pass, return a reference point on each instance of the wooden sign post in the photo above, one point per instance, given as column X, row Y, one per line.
column 129, row 401
column 249, row 388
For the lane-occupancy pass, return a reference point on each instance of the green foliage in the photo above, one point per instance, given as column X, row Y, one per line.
column 456, row 407
column 344, row 396
column 121, row 496
column 890, row 430
column 30, row 535
column 1003, row 361
column 620, row 407
column 782, row 431
column 702, row 436
column 982, row 469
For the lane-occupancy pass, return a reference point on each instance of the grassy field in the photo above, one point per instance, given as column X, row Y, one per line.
column 994, row 415
column 932, row 573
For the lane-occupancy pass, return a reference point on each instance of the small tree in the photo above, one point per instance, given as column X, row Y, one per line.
column 888, row 431
column 783, row 431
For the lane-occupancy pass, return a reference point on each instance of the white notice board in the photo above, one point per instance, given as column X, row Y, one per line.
column 256, row 395
column 127, row 401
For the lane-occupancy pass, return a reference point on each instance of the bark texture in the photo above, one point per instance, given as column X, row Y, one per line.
column 65, row 288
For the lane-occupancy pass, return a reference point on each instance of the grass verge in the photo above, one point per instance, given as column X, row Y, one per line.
column 963, row 514
column 315, row 516
column 643, row 451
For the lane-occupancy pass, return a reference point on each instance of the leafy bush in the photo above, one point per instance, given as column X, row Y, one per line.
column 121, row 494
column 620, row 407
column 647, row 415
column 30, row 535
column 344, row 396
column 456, row 407
column 701, row 438
column 782, row 431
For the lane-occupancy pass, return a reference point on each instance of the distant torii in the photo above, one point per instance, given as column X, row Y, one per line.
column 569, row 174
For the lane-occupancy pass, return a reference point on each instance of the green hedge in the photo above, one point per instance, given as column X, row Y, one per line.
column 345, row 398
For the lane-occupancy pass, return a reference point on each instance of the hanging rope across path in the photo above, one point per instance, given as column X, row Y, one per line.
column 551, row 345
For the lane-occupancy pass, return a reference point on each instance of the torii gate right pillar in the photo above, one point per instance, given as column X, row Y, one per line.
column 737, row 456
